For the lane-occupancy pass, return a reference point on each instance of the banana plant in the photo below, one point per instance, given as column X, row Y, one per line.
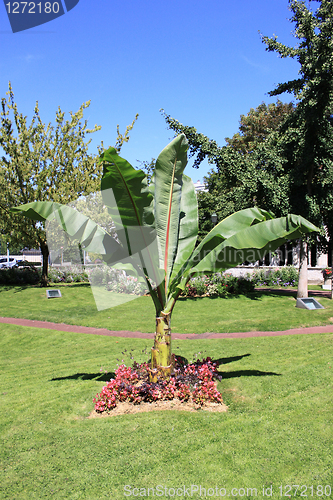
column 157, row 228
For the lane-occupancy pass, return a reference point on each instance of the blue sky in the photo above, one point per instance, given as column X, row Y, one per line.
column 203, row 62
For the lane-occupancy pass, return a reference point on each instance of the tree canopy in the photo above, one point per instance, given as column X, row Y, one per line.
column 281, row 158
column 308, row 133
column 248, row 171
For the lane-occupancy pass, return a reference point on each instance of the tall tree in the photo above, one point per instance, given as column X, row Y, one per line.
column 43, row 162
column 308, row 134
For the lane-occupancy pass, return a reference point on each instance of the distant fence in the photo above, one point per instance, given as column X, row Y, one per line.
column 35, row 258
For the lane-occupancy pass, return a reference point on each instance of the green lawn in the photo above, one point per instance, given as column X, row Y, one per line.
column 260, row 311
column 278, row 429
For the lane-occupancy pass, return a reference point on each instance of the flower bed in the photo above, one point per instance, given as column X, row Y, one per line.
column 284, row 277
column 218, row 285
column 193, row 382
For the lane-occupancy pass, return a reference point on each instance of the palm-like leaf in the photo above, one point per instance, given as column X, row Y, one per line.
column 78, row 226
column 252, row 243
column 188, row 226
column 129, row 201
column 132, row 204
column 168, row 183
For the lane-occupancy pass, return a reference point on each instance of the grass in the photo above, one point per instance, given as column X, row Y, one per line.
column 262, row 310
column 278, row 429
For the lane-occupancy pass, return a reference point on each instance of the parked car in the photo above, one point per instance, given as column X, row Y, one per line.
column 10, row 262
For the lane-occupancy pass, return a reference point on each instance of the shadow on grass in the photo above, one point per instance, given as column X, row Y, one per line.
column 240, row 373
column 99, row 377
column 224, row 361
column 18, row 288
column 69, row 285
column 256, row 295
column 247, row 373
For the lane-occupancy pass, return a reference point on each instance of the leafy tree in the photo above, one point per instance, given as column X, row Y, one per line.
column 248, row 171
column 308, row 133
column 43, row 162
column 157, row 228
column 256, row 126
column 292, row 169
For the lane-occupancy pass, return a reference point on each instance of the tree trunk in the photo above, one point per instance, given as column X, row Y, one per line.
column 162, row 361
column 302, row 289
column 45, row 253
column 331, row 281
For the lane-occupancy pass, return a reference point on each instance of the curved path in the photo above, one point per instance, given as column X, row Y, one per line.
column 139, row 335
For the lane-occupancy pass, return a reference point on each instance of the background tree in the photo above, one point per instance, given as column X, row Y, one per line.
column 308, row 134
column 256, row 126
column 42, row 162
column 248, row 171
column 291, row 169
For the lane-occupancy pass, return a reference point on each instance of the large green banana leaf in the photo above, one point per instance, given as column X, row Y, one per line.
column 167, row 187
column 142, row 263
column 252, row 243
column 129, row 201
column 78, row 226
column 132, row 204
column 223, row 230
column 246, row 235
column 188, row 226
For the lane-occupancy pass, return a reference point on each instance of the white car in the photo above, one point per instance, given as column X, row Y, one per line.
column 11, row 262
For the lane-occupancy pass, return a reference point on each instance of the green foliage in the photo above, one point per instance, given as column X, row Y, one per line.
column 44, row 163
column 68, row 274
column 249, row 171
column 41, row 162
column 256, row 126
column 286, row 276
column 281, row 159
column 28, row 275
column 308, row 134
column 218, row 285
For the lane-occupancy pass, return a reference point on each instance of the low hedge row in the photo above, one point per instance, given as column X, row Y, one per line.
column 216, row 285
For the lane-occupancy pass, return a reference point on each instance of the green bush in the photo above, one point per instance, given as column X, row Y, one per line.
column 286, row 276
column 218, row 285
column 28, row 275
column 71, row 274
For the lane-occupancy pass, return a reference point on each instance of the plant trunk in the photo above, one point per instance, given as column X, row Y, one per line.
column 302, row 289
column 45, row 253
column 162, row 361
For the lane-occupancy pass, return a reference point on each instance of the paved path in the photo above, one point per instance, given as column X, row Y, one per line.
column 139, row 335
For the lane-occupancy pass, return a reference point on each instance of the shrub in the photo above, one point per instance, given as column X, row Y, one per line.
column 70, row 274
column 283, row 277
column 28, row 275
column 115, row 280
column 218, row 285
